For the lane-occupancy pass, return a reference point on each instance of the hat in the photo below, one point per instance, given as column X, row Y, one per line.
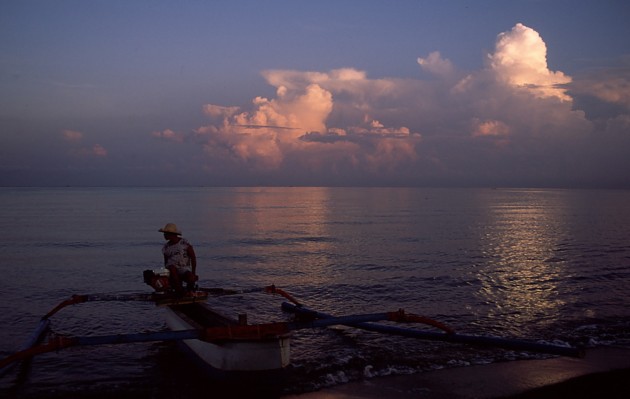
column 170, row 228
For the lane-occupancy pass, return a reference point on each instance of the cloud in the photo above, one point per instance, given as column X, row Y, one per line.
column 75, row 139
column 615, row 90
column 72, row 135
column 435, row 64
column 610, row 86
column 293, row 125
column 263, row 135
column 512, row 121
column 95, row 151
column 520, row 59
column 490, row 128
column 217, row 111
column 168, row 134
column 99, row 150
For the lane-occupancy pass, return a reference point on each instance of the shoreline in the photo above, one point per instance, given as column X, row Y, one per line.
column 603, row 372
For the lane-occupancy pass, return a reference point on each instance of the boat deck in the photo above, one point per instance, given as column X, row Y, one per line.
column 199, row 315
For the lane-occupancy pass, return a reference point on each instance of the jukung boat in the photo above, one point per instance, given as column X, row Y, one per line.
column 241, row 349
column 231, row 347
column 235, row 355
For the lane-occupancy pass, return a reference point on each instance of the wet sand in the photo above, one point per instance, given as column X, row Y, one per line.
column 602, row 373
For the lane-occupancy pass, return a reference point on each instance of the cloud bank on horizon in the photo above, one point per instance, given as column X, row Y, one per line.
column 513, row 122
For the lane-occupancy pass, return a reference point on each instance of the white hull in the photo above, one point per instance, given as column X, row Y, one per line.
column 255, row 355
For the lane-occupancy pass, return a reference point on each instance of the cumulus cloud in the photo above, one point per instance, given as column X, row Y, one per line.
column 294, row 125
column 520, row 59
column 513, row 120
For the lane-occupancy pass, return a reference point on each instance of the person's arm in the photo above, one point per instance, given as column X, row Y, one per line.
column 193, row 259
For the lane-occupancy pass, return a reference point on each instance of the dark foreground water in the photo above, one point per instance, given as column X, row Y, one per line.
column 552, row 265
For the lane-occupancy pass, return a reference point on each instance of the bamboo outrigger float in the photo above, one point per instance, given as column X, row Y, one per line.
column 231, row 345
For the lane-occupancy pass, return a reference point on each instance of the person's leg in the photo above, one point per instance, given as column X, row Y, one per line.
column 190, row 279
column 175, row 279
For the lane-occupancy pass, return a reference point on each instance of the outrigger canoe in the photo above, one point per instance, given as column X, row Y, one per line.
column 233, row 347
column 241, row 349
column 264, row 354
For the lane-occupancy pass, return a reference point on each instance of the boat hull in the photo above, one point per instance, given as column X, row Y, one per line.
column 232, row 356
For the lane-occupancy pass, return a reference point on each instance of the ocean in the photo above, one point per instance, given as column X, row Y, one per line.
column 550, row 265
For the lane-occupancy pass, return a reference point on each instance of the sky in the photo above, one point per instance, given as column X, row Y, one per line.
column 488, row 93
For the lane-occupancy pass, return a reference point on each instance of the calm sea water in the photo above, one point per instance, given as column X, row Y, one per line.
column 552, row 265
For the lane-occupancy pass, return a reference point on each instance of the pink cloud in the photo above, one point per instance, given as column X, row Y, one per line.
column 611, row 85
column 72, row 135
column 490, row 128
column 169, row 135
column 75, row 138
column 99, row 151
column 437, row 65
column 96, row 151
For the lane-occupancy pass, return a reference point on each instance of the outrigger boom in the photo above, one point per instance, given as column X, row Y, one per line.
column 515, row 344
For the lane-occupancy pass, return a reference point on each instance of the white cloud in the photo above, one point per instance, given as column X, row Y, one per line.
column 520, row 58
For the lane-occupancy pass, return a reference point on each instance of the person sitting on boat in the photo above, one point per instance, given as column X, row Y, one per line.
column 179, row 258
